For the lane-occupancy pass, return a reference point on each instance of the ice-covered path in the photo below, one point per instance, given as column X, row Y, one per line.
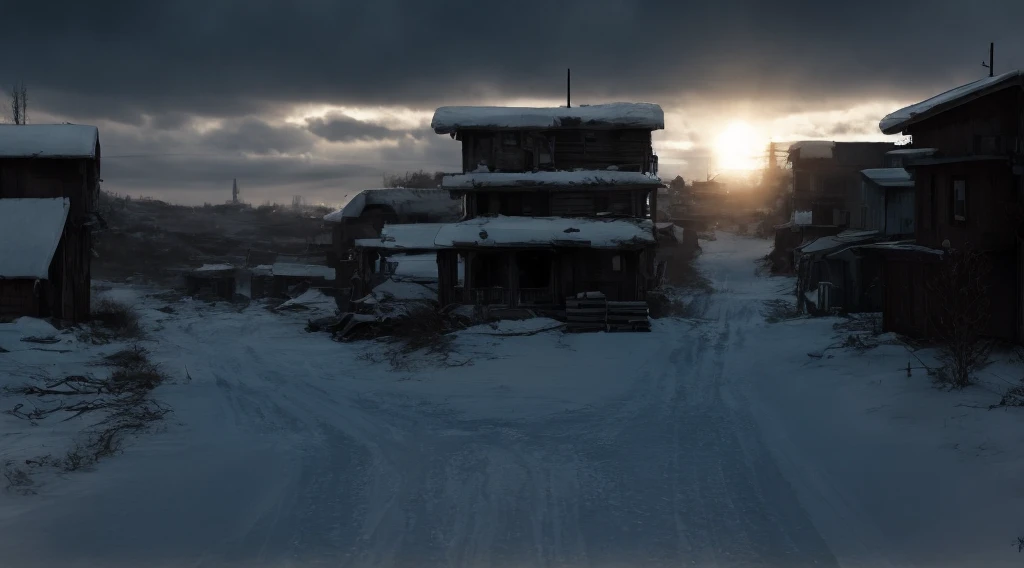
column 705, row 443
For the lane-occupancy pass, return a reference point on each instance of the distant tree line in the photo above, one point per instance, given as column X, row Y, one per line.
column 419, row 180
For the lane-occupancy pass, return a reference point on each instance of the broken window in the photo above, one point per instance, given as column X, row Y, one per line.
column 960, row 200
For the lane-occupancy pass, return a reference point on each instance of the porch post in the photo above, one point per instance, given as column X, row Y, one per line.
column 513, row 279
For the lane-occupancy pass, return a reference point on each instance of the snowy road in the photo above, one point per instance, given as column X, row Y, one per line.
column 664, row 449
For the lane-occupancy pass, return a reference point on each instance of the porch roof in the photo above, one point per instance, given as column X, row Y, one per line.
column 30, row 231
column 889, row 177
column 516, row 232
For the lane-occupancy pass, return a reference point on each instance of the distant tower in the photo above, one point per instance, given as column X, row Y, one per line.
column 234, row 192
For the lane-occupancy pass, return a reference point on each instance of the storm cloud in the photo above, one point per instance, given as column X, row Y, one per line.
column 341, row 128
column 158, row 67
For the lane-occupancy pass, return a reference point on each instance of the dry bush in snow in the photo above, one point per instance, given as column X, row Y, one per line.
column 117, row 319
column 961, row 295
column 121, row 401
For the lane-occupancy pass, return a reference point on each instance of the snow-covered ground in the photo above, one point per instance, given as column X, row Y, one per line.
column 720, row 441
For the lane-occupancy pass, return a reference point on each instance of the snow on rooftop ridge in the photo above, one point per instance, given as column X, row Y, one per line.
column 48, row 141
column 813, row 149
column 436, row 202
column 897, row 121
column 912, row 152
column 889, row 177
column 302, row 270
column 30, row 230
column 214, row 268
column 611, row 115
column 515, row 231
column 534, row 179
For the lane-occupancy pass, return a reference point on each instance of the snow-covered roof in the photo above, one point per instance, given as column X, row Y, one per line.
column 48, row 141
column 813, row 149
column 605, row 116
column 302, row 270
column 30, row 230
column 502, row 231
column 435, row 202
column 902, row 245
column 889, row 177
column 897, row 121
column 549, row 179
column 214, row 268
column 912, row 152
column 844, row 238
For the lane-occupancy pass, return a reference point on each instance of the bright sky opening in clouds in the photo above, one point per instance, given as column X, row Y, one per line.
column 740, row 147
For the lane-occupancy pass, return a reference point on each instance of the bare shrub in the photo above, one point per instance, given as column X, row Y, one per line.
column 667, row 303
column 116, row 318
column 776, row 311
column 122, row 400
column 960, row 292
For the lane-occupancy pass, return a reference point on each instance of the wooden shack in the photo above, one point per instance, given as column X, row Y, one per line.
column 969, row 194
column 58, row 161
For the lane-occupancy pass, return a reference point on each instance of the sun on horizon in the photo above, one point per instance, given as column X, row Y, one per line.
column 740, row 147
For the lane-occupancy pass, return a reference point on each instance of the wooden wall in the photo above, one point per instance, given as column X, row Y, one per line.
column 19, row 298
column 991, row 205
column 519, row 151
column 559, row 203
column 986, row 126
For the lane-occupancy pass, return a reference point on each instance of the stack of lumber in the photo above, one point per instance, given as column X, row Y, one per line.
column 591, row 311
column 628, row 316
column 588, row 311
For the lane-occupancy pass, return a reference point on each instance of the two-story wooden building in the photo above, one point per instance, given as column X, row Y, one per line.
column 557, row 201
column 969, row 192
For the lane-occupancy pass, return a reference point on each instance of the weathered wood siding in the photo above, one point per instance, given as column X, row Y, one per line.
column 899, row 211
column 559, row 203
column 518, row 150
column 990, row 197
column 20, row 298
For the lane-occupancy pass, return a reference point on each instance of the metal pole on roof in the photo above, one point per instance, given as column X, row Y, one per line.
column 568, row 88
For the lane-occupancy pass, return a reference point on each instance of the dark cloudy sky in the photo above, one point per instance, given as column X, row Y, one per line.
column 319, row 98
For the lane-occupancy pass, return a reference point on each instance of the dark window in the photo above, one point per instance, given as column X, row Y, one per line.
column 510, row 139
column 617, row 263
column 987, row 145
column 960, row 200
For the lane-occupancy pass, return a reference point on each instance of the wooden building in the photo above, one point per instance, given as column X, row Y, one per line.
column 827, row 179
column 969, row 194
column 365, row 215
column 538, row 227
column 57, row 161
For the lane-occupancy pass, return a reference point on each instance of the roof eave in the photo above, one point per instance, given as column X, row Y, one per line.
column 901, row 127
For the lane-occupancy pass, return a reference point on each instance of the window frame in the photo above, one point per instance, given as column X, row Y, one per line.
column 955, row 218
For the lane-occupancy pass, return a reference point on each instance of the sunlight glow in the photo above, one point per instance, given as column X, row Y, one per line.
column 740, row 147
